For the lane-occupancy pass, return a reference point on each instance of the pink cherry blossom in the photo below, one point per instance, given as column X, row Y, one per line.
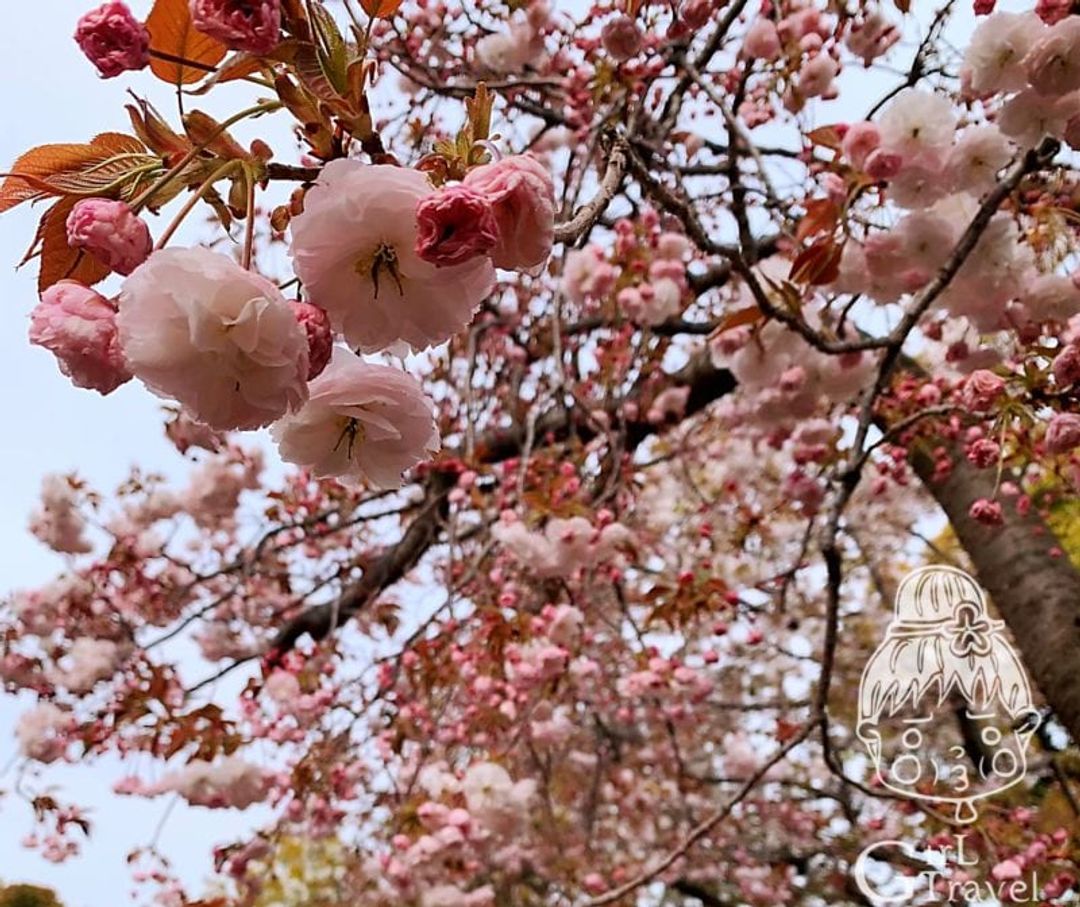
column 221, row 341
column 987, row 512
column 229, row 783
column 762, row 41
column 113, row 39
column 522, row 197
column 320, row 336
column 982, row 389
column 622, row 38
column 78, row 326
column 88, row 662
column 354, row 249
column 111, row 232
column 250, row 25
column 860, row 140
column 1063, row 433
column 455, row 225
column 512, row 50
column 363, row 422
column 995, row 55
column 58, row 522
column 42, row 732
column 1052, row 66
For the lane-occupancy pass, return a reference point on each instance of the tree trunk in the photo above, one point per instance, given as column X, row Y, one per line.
column 1036, row 592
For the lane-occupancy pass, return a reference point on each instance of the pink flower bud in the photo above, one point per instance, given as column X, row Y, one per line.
column 320, row 336
column 522, row 196
column 984, row 453
column 79, row 327
column 860, row 141
column 249, row 25
column 622, row 38
column 111, row 232
column 883, row 165
column 455, row 225
column 113, row 39
column 982, row 389
column 986, row 512
column 1063, row 433
column 984, row 7
column 762, row 41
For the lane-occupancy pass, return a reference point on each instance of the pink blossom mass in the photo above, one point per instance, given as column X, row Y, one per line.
column 616, row 453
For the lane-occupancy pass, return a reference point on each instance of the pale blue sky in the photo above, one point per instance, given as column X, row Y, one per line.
column 53, row 95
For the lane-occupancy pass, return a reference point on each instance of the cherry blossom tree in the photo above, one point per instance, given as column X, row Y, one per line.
column 623, row 360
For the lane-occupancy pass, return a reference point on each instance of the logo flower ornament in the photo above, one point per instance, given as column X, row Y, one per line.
column 970, row 631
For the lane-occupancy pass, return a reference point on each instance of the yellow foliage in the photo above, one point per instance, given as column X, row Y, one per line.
column 27, row 896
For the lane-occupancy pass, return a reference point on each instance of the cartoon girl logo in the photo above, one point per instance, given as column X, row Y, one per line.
column 943, row 652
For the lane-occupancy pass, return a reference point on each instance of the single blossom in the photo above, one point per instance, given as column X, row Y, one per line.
column 762, row 41
column 59, row 522
column 363, row 422
column 622, row 38
column 994, row 60
column 113, row 39
column 111, row 232
column 981, row 390
column 1052, row 66
column 221, row 341
column 249, row 25
column 860, row 141
column 230, row 783
column 78, row 326
column 1063, row 433
column 522, row 197
column 511, row 51
column 320, row 336
column 454, row 226
column 354, row 249
column 43, row 732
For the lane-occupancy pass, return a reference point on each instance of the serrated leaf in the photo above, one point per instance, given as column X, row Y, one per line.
column 333, row 52
column 173, row 35
column 74, row 169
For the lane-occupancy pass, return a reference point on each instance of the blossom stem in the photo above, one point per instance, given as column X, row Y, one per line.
column 197, row 149
column 200, row 193
column 249, row 227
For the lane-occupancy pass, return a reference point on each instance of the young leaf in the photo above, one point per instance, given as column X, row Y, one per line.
column 106, row 165
column 380, row 9
column 186, row 55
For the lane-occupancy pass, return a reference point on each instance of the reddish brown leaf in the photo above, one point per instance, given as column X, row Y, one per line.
column 749, row 315
column 827, row 136
column 25, row 178
column 183, row 54
column 380, row 9
column 70, row 169
column 818, row 263
column 821, row 216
